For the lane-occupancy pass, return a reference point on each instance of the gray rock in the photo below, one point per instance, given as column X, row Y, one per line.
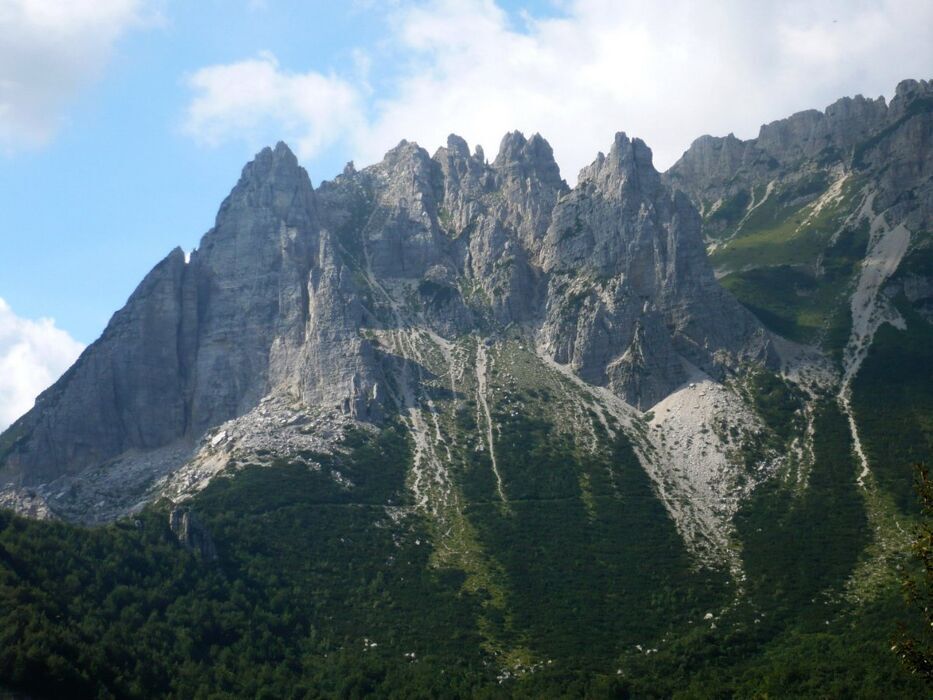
column 632, row 301
column 127, row 390
column 888, row 145
column 288, row 293
column 191, row 533
column 265, row 302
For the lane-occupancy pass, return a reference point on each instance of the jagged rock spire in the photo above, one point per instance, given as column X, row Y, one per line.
column 280, row 294
column 629, row 161
column 522, row 158
column 273, row 181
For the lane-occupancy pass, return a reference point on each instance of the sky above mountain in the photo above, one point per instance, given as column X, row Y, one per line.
column 123, row 123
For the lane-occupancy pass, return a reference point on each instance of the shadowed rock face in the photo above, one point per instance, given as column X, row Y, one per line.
column 191, row 533
column 126, row 390
column 609, row 277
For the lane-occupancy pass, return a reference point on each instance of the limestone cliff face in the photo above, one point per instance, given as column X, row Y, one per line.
column 888, row 143
column 287, row 293
column 900, row 156
column 127, row 390
column 191, row 533
column 631, row 301
column 263, row 304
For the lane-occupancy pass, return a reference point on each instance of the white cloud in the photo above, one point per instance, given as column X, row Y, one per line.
column 33, row 354
column 240, row 100
column 49, row 50
column 666, row 71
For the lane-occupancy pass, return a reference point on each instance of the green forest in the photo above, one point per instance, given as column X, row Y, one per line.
column 315, row 592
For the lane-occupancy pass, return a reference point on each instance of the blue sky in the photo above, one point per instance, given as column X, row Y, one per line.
column 85, row 216
column 124, row 123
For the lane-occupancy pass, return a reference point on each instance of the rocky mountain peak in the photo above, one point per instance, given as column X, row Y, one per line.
column 852, row 133
column 629, row 163
column 911, row 96
column 709, row 155
column 410, row 171
column 457, row 146
column 521, row 158
column 462, row 172
column 277, row 164
column 708, row 143
column 511, row 147
column 274, row 182
column 306, row 297
column 839, row 127
column 630, row 154
column 407, row 154
column 856, row 107
column 911, row 87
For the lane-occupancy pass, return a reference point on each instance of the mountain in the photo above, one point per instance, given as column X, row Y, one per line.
column 442, row 425
column 822, row 227
column 813, row 194
column 328, row 302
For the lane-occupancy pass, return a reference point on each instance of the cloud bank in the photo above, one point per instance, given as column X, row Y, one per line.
column 49, row 50
column 238, row 100
column 666, row 71
column 33, row 354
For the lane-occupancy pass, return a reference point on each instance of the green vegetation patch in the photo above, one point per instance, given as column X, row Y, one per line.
column 806, row 302
column 314, row 593
column 892, row 397
column 755, row 653
column 782, row 231
column 603, row 564
column 797, row 546
column 780, row 404
column 436, row 295
column 774, row 295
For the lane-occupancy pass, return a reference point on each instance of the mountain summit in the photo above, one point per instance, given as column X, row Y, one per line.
column 330, row 299
column 444, row 425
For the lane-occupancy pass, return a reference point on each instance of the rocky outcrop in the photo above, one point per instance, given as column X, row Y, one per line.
column 309, row 295
column 264, row 304
column 632, row 301
column 887, row 143
column 127, row 390
column 898, row 157
column 191, row 533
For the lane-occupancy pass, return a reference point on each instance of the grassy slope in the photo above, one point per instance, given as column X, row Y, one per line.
column 606, row 567
column 797, row 546
column 792, row 267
